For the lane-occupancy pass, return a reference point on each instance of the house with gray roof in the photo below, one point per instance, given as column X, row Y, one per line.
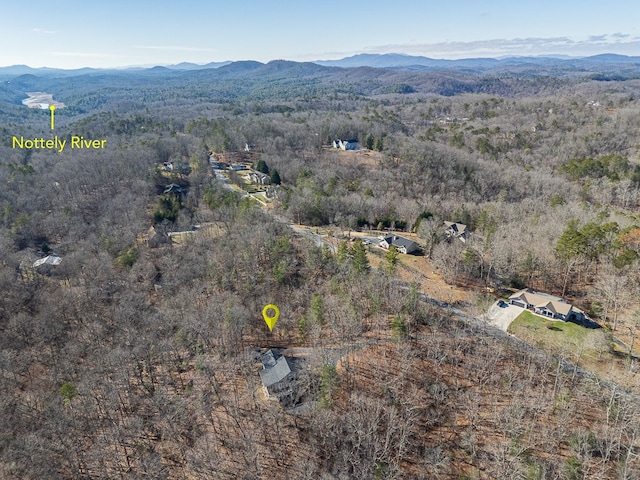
column 277, row 375
column 404, row 245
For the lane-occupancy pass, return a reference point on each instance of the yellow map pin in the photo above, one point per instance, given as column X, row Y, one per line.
column 270, row 320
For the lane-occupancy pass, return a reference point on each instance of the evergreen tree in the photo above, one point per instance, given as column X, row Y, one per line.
column 392, row 259
column 368, row 141
column 262, row 167
column 275, row 177
column 360, row 261
column 343, row 252
column 317, row 309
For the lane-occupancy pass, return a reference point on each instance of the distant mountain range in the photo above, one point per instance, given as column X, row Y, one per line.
column 195, row 66
column 83, row 90
column 25, row 70
column 401, row 61
column 393, row 61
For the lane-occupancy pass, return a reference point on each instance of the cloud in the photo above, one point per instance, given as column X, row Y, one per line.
column 176, row 48
column 40, row 30
column 607, row 43
column 620, row 35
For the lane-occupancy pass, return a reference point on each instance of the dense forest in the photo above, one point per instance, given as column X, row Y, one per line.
column 134, row 275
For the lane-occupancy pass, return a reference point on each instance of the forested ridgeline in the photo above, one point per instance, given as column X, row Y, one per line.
column 136, row 356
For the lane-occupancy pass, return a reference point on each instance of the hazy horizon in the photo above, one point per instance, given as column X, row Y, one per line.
column 202, row 64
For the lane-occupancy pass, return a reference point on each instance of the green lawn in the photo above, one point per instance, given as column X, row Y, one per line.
column 583, row 345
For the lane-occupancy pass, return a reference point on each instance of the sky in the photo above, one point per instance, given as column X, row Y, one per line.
column 117, row 33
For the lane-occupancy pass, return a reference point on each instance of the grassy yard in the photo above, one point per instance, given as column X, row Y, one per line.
column 585, row 346
column 592, row 349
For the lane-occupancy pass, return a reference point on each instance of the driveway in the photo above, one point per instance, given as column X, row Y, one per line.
column 501, row 317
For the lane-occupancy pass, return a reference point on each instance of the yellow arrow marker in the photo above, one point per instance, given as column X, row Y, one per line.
column 270, row 320
column 52, row 108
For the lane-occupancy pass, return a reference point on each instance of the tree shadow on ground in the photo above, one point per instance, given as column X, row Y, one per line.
column 586, row 323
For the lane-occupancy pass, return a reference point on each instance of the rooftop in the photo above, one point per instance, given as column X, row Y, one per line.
column 555, row 304
column 398, row 241
column 274, row 369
